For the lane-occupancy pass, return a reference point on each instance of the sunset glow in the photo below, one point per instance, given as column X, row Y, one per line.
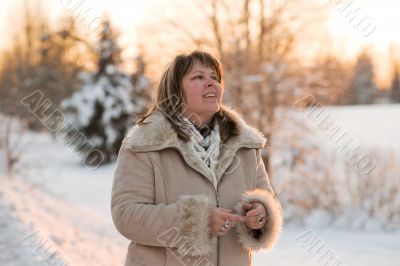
column 346, row 41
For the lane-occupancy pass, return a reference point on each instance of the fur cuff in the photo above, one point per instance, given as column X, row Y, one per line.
column 193, row 223
column 267, row 236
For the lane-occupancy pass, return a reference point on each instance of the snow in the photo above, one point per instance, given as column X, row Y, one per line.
column 81, row 236
column 352, row 248
column 12, row 252
column 73, row 182
column 115, row 99
column 104, row 107
column 63, row 205
column 54, row 199
column 372, row 125
column 313, row 175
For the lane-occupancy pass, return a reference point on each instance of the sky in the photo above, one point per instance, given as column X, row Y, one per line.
column 383, row 14
column 381, row 36
column 375, row 26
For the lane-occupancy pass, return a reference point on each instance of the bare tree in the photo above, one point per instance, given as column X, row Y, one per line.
column 40, row 57
column 12, row 143
column 328, row 80
column 256, row 43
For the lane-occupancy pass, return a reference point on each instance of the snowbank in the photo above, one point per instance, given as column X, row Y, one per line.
column 37, row 228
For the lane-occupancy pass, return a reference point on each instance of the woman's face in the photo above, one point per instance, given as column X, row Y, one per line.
column 203, row 93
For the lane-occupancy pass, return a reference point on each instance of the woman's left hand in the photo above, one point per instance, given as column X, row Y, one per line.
column 255, row 215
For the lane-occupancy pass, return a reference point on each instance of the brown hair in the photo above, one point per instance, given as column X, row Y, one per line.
column 170, row 94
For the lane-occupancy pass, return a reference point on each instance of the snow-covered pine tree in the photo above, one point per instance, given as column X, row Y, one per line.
column 104, row 108
column 362, row 86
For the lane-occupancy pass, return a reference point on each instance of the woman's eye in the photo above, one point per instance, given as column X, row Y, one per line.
column 202, row 77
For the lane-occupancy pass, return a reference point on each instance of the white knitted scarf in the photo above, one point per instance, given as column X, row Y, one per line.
column 206, row 148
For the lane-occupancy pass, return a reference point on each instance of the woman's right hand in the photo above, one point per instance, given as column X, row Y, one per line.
column 222, row 220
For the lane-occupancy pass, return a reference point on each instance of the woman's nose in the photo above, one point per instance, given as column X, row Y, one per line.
column 211, row 82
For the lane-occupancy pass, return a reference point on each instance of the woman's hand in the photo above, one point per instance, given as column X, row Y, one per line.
column 255, row 215
column 222, row 220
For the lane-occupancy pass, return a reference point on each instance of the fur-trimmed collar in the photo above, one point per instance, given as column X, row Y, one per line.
column 156, row 133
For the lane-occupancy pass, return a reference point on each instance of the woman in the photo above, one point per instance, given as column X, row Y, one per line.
column 190, row 186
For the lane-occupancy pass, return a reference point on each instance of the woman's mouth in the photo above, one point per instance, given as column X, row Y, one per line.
column 210, row 95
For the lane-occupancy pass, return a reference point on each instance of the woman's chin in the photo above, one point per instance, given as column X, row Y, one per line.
column 211, row 104
column 211, row 108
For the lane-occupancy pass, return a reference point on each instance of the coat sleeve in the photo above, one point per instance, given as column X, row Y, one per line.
column 267, row 236
column 183, row 224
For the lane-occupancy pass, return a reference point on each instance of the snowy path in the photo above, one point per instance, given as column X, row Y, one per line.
column 70, row 233
column 12, row 251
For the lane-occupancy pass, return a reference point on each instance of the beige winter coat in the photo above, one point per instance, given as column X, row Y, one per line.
column 163, row 193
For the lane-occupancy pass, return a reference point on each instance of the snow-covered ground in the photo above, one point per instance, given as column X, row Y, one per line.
column 371, row 125
column 313, row 246
column 55, row 206
column 35, row 226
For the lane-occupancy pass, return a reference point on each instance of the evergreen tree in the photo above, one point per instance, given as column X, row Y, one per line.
column 362, row 86
column 395, row 89
column 103, row 108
